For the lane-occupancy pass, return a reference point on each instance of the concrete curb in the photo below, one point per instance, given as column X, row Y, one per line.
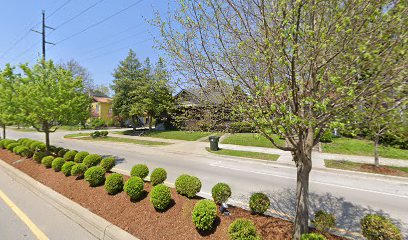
column 94, row 224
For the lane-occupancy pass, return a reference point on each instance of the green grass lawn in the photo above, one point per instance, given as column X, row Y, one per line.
column 171, row 134
column 125, row 140
column 246, row 154
column 360, row 167
column 251, row 139
column 76, row 135
column 362, row 147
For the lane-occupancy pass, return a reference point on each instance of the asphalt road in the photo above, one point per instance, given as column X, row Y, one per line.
column 350, row 196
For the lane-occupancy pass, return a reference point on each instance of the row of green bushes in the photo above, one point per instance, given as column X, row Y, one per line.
column 97, row 134
column 93, row 168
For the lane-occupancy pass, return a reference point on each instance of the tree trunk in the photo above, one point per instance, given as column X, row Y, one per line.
column 376, row 158
column 4, row 131
column 47, row 142
column 303, row 159
column 150, row 123
column 133, row 123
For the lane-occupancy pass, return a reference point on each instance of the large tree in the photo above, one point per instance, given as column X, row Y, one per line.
column 153, row 96
column 80, row 71
column 297, row 62
column 9, row 90
column 127, row 77
column 51, row 97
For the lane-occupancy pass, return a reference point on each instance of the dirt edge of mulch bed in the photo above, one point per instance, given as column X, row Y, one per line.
column 140, row 218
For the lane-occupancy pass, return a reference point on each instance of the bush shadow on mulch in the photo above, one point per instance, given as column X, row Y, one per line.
column 143, row 196
column 171, row 204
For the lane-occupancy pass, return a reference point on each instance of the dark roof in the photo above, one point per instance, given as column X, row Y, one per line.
column 193, row 97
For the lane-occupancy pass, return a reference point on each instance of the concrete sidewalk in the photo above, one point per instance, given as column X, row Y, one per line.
column 41, row 213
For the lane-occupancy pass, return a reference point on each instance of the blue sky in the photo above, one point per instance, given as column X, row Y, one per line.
column 99, row 49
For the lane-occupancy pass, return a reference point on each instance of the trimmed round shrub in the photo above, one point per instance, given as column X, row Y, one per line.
column 114, row 183
column 241, row 229
column 312, row 236
column 95, row 176
column 23, row 151
column 187, row 185
column 62, row 152
column 108, row 163
column 79, row 157
column 323, row 221
column 376, row 227
column 134, row 188
column 54, row 150
column 47, row 161
column 78, row 170
column 95, row 134
column 259, row 203
column 139, row 170
column 27, row 142
column 21, row 140
column 6, row 142
column 158, row 176
column 221, row 192
column 34, row 144
column 11, row 146
column 70, row 155
column 204, row 214
column 92, row 160
column 160, row 197
column 41, row 147
column 38, row 156
column 66, row 168
column 104, row 133
column 57, row 164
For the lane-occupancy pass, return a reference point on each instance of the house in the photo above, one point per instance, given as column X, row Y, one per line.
column 102, row 108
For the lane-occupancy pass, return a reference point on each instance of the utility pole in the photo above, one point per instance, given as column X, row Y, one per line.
column 44, row 41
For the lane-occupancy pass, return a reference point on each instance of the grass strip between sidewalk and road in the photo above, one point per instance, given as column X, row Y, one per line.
column 368, row 168
column 362, row 147
column 121, row 140
column 245, row 154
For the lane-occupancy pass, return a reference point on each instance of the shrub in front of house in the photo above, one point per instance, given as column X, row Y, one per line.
column 160, row 197
column 78, row 170
column 312, row 236
column 95, row 176
column 158, row 176
column 104, row 133
column 108, row 163
column 114, row 183
column 47, row 161
column 79, row 157
column 57, row 164
column 95, row 134
column 323, row 221
column 62, row 152
column 242, row 228
column 204, row 214
column 376, row 227
column 11, row 146
column 70, row 155
column 221, row 192
column 259, row 203
column 134, row 188
column 187, row 185
column 38, row 156
column 66, row 168
column 139, row 170
column 92, row 160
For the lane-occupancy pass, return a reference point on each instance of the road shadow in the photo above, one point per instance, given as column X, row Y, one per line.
column 348, row 214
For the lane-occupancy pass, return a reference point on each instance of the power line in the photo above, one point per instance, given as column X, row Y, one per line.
column 27, row 32
column 117, row 49
column 59, row 8
column 80, row 13
column 99, row 22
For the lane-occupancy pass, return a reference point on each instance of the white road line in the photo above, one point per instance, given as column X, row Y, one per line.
column 216, row 164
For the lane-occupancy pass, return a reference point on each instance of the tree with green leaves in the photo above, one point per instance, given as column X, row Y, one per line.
column 52, row 97
column 153, row 97
column 127, row 77
column 10, row 89
column 296, row 61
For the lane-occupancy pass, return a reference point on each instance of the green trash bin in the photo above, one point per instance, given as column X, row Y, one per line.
column 214, row 143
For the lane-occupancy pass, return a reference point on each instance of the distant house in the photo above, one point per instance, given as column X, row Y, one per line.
column 102, row 108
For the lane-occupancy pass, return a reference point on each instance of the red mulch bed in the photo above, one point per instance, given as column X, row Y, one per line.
column 140, row 218
column 382, row 170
